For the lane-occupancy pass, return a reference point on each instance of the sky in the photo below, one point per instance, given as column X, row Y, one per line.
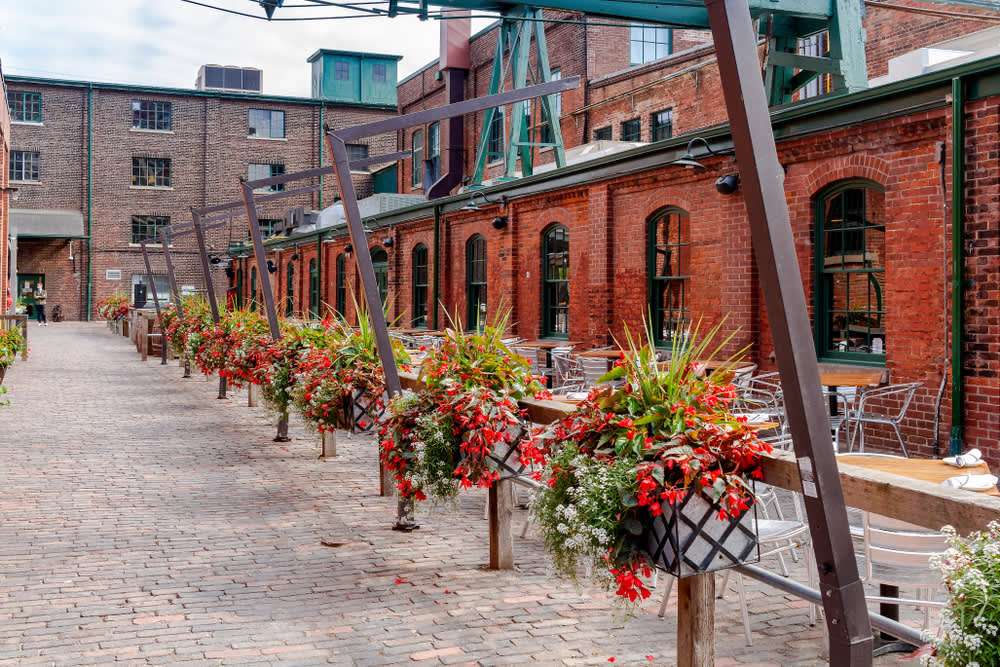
column 164, row 42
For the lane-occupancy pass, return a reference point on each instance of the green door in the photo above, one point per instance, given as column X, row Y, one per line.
column 26, row 284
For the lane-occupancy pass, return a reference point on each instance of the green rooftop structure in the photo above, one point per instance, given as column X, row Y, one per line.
column 354, row 77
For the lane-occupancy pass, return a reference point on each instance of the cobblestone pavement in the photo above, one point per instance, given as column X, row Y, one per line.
column 147, row 522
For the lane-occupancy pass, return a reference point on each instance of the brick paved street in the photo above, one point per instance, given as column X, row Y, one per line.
column 147, row 522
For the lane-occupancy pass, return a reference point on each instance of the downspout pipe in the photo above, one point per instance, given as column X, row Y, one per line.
column 455, row 152
column 437, row 265
column 90, row 194
column 957, row 263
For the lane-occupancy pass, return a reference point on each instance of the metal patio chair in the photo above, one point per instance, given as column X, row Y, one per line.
column 863, row 413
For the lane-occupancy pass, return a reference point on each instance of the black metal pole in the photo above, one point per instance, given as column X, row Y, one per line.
column 762, row 179
column 199, row 234
column 165, row 242
column 156, row 304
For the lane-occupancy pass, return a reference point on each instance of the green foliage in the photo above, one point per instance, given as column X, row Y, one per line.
column 11, row 344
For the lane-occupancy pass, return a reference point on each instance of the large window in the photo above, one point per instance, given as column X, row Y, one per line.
column 148, row 227
column 266, row 124
column 24, row 107
column 850, row 272
column 150, row 115
column 555, row 281
column 662, row 125
column 341, row 286
column 475, row 283
column 417, row 159
column 151, row 172
column 356, row 152
column 419, row 286
column 669, row 270
column 380, row 262
column 25, row 166
column 290, row 290
column 632, row 130
column 495, row 140
column 313, row 288
column 815, row 45
column 258, row 171
column 434, row 151
column 648, row 42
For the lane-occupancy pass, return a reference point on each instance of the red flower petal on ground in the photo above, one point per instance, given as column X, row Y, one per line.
column 400, row 581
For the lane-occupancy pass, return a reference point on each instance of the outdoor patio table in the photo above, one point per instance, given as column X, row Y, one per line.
column 848, row 377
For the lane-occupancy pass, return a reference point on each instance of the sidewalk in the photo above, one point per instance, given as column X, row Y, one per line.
column 147, row 522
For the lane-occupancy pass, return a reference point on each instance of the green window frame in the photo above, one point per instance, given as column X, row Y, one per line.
column 152, row 115
column 290, row 289
column 313, row 287
column 151, row 172
column 25, row 106
column 417, row 159
column 632, row 130
column 419, row 267
column 495, row 140
column 257, row 171
column 602, row 133
column 662, row 125
column 380, row 262
column 669, row 270
column 850, row 273
column 253, row 288
column 475, row 283
column 434, row 151
column 341, row 286
column 25, row 166
column 555, row 281
column 649, row 42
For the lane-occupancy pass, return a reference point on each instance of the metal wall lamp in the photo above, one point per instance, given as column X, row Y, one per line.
column 472, row 206
column 271, row 267
column 687, row 160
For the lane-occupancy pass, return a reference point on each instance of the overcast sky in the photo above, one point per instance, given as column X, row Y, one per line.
column 164, row 42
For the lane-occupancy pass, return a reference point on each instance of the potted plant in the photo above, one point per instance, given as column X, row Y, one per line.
column 11, row 343
column 463, row 425
column 624, row 468
column 970, row 620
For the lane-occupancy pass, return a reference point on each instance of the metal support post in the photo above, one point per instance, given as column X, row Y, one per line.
column 199, row 234
column 762, row 179
column 156, row 304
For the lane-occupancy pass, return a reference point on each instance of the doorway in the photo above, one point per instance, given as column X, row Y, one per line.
column 26, row 285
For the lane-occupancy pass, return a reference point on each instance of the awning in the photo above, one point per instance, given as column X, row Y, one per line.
column 46, row 223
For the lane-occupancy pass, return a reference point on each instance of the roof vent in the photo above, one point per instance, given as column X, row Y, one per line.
column 229, row 78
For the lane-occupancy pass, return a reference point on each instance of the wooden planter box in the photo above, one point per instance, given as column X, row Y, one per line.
column 689, row 539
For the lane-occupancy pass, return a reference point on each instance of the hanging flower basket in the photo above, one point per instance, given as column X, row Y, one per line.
column 695, row 536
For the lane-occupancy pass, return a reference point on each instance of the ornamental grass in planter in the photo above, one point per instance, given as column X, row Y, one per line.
column 453, row 432
column 635, row 450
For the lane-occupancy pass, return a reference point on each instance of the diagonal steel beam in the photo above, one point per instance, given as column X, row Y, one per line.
column 156, row 302
column 762, row 179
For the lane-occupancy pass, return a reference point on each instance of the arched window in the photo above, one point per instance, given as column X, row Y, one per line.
column 417, row 159
column 290, row 290
column 850, row 272
column 555, row 282
column 419, row 286
column 253, row 288
column 669, row 258
column 380, row 262
column 475, row 283
column 341, row 286
column 313, row 288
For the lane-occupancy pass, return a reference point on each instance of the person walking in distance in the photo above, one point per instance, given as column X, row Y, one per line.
column 40, row 297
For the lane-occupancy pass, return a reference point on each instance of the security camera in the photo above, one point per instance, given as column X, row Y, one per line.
column 728, row 184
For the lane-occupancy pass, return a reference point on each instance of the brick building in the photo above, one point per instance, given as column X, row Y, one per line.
column 100, row 167
column 578, row 252
column 5, row 195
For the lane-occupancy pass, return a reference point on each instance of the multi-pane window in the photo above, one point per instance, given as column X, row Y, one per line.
column 25, row 166
column 268, row 226
column 555, row 281
column 341, row 70
column 815, row 45
column 475, row 283
column 24, row 107
column 495, row 140
column 266, row 123
column 378, row 73
column 313, row 288
column 547, row 135
column 669, row 270
column 290, row 290
column 380, row 263
column 648, row 42
column 417, row 159
column 340, row 287
column 257, row 171
column 632, row 130
column 602, row 133
column 148, row 227
column 419, row 286
column 434, row 151
column 151, row 172
column 357, row 152
column 151, row 115
column 662, row 125
column 850, row 272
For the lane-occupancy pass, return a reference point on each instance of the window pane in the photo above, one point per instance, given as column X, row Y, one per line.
column 475, row 272
column 669, row 260
column 419, row 286
column 555, row 276
column 602, row 133
column 149, row 115
column 147, row 227
column 417, row 158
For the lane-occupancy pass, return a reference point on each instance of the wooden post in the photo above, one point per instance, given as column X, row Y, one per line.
column 251, row 395
column 328, row 443
column 501, row 503
column 386, row 483
column 696, row 621
column 141, row 339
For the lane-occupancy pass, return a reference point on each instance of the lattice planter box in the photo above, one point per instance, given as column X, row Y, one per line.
column 688, row 538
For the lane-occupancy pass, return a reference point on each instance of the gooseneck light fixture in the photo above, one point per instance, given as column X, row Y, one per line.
column 687, row 160
column 472, row 206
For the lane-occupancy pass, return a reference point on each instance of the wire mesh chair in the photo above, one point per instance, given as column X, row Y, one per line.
column 863, row 414
column 567, row 372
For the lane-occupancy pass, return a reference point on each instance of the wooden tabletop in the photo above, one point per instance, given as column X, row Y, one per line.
column 601, row 354
column 416, row 332
column 545, row 344
column 861, row 377
column 928, row 470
